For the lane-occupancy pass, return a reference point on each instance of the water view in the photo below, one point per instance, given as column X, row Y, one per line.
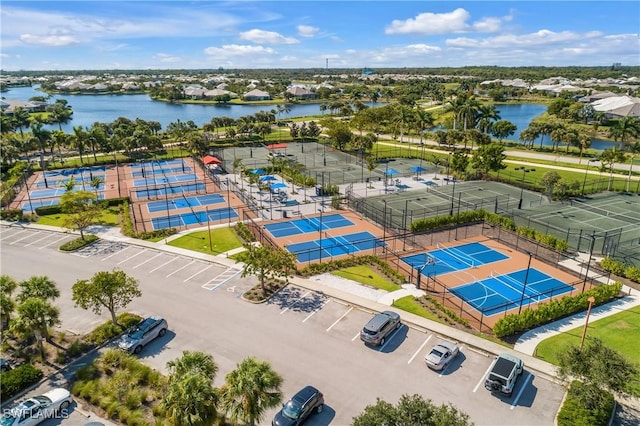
column 87, row 109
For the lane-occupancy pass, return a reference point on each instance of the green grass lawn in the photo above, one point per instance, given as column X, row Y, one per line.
column 109, row 217
column 619, row 331
column 222, row 240
column 366, row 275
column 409, row 304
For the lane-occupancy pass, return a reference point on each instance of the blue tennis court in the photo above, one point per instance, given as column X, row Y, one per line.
column 30, row 207
column 52, row 182
column 57, row 192
column 78, row 171
column 334, row 246
column 168, row 190
column 157, row 163
column 165, row 180
column 182, row 203
column 450, row 259
column 307, row 224
column 160, row 171
column 185, row 219
column 503, row 292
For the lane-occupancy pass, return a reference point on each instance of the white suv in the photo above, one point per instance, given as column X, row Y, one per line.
column 143, row 333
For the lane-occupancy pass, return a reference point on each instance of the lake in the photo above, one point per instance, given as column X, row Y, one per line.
column 87, row 109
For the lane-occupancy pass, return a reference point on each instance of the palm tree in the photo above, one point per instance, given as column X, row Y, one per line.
column 80, row 139
column 249, row 390
column 625, row 128
column 69, row 184
column 7, row 306
column 633, row 150
column 96, row 181
column 60, row 113
column 191, row 399
column 41, row 287
column 35, row 316
column 42, row 137
column 21, row 119
column 485, row 115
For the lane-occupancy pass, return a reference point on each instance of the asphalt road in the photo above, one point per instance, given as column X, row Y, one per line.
column 307, row 337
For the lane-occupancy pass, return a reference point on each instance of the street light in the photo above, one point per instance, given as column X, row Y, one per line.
column 524, row 286
column 524, row 172
column 586, row 274
column 320, row 229
column 26, row 184
column 584, row 182
column 591, row 301
column 453, row 196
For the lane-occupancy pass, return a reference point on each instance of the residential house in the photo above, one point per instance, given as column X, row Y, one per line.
column 256, row 95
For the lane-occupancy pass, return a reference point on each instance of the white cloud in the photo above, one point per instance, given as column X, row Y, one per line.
column 431, row 23
column 307, row 31
column 266, row 37
column 487, row 25
column 49, row 40
column 539, row 38
column 239, row 50
column 166, row 58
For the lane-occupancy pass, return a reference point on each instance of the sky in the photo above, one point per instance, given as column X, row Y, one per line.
column 86, row 35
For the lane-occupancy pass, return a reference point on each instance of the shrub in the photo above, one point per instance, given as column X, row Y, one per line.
column 47, row 210
column 244, row 232
column 633, row 273
column 16, row 380
column 574, row 413
column 108, row 330
column 116, row 201
column 78, row 243
column 613, row 266
column 13, row 215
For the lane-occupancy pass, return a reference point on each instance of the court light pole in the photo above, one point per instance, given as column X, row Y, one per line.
column 384, row 224
column 321, row 210
column 586, row 274
column 591, row 301
column 524, row 286
column 228, row 202
column 209, row 229
column 453, row 196
column 166, row 200
column 26, row 184
column 584, row 182
column 524, row 172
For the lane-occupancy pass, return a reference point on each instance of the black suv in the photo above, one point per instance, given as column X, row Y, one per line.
column 295, row 411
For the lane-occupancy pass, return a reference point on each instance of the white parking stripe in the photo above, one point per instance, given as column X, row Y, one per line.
column 524, row 385
column 129, row 258
column 419, row 349
column 23, row 238
column 53, row 242
column 199, row 272
column 388, row 339
column 483, row 378
column 339, row 319
column 314, row 312
column 181, row 268
column 294, row 303
column 146, row 261
column 17, row 233
column 113, row 254
column 37, row 241
column 356, row 336
column 447, row 367
column 164, row 264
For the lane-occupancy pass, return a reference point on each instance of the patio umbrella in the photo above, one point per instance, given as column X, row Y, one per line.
column 211, row 160
column 417, row 169
column 278, row 185
column 391, row 172
column 258, row 171
column 267, row 178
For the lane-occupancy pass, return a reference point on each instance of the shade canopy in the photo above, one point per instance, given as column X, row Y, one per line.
column 391, row 172
column 277, row 146
column 209, row 159
column 258, row 171
column 278, row 185
column 267, row 178
column 418, row 169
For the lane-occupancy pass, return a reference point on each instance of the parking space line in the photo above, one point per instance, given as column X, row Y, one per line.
column 484, row 377
column 164, row 264
column 113, row 254
column 356, row 336
column 223, row 277
column 24, row 238
column 447, row 367
column 199, row 272
column 106, row 247
column 339, row 319
column 146, row 261
column 129, row 258
column 391, row 336
column 524, row 385
column 17, row 233
column 296, row 301
column 53, row 242
column 419, row 349
column 37, row 241
column 181, row 268
column 314, row 312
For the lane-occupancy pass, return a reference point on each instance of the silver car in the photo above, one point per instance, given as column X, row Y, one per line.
column 50, row 405
column 441, row 355
column 139, row 335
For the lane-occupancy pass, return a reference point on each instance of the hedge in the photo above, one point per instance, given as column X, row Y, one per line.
column 554, row 309
column 11, row 214
column 126, row 225
column 620, row 269
column 47, row 210
column 574, row 413
column 78, row 243
column 108, row 329
column 16, row 380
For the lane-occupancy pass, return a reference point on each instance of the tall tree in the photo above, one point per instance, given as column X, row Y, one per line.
column 267, row 262
column 7, row 305
column 111, row 290
column 625, row 128
column 21, row 119
column 486, row 115
column 35, row 316
column 608, row 159
column 503, row 129
column 249, row 390
column 81, row 208
column 488, row 158
column 41, row 287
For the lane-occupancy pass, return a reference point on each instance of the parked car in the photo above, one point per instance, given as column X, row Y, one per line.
column 379, row 327
column 52, row 404
column 5, row 365
column 307, row 401
column 441, row 355
column 504, row 374
column 141, row 334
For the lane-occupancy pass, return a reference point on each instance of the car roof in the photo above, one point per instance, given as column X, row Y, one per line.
column 304, row 394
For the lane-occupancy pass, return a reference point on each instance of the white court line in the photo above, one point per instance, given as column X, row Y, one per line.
column 524, row 385
column 164, row 264
column 419, row 349
column 113, row 254
column 53, row 242
column 129, row 258
column 24, row 238
column 315, row 311
column 484, row 377
column 37, row 241
column 146, row 261
column 296, row 301
column 447, row 367
column 181, row 268
column 339, row 319
column 207, row 267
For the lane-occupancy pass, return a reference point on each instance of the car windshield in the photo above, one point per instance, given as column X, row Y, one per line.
column 43, row 400
column 291, row 410
column 8, row 419
column 436, row 353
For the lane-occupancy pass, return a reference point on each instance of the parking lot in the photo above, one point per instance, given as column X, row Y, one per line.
column 308, row 338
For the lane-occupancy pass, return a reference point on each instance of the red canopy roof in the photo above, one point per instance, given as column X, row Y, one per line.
column 277, row 146
column 211, row 160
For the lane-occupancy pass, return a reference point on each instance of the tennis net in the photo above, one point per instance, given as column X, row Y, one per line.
column 466, row 260
column 313, row 222
column 615, row 215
